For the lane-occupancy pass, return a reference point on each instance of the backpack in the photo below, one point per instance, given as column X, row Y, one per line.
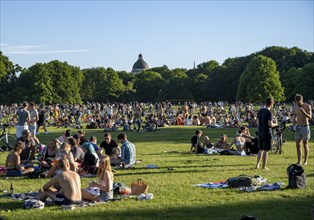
column 296, row 177
column 117, row 186
column 239, row 181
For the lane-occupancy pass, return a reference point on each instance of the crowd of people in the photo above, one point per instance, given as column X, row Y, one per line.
column 107, row 115
column 70, row 156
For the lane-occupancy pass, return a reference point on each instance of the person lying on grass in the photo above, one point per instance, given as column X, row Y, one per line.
column 67, row 181
column 13, row 162
column 104, row 185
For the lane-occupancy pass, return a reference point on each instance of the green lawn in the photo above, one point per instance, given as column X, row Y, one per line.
column 174, row 195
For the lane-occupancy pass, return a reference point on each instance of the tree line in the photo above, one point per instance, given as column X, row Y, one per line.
column 278, row 71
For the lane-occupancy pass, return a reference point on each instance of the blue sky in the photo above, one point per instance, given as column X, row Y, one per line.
column 173, row 33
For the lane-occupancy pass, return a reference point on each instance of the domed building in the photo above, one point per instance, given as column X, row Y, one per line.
column 139, row 65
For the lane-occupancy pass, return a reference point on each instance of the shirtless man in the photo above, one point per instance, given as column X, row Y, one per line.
column 13, row 162
column 68, row 181
column 302, row 113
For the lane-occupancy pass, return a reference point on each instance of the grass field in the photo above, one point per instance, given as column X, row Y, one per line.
column 174, row 195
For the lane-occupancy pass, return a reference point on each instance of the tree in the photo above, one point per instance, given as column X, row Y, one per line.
column 114, row 87
column 147, row 86
column 259, row 80
column 8, row 78
column 93, row 82
column 35, row 84
column 66, row 81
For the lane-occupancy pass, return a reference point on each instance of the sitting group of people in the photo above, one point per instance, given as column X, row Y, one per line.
column 67, row 158
column 244, row 143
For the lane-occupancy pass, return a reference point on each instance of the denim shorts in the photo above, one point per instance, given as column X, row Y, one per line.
column 105, row 196
column 303, row 132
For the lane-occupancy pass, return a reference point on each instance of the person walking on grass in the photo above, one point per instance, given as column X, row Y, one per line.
column 265, row 123
column 302, row 114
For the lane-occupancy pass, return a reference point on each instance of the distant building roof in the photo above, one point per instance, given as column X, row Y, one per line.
column 140, row 64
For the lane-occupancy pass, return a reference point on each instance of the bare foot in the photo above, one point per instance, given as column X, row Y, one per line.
column 266, row 168
column 305, row 163
column 298, row 163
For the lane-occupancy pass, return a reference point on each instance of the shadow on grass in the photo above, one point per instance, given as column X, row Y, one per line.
column 282, row 208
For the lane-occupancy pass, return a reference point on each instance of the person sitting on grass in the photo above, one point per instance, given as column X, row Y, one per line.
column 251, row 142
column 13, row 162
column 110, row 147
column 90, row 161
column 128, row 151
column 207, row 143
column 67, row 181
column 222, row 143
column 48, row 153
column 239, row 142
column 64, row 152
column 104, row 185
column 196, row 146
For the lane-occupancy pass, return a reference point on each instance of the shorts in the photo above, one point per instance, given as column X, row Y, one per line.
column 62, row 200
column 105, row 196
column 20, row 129
column 14, row 172
column 32, row 129
column 303, row 132
column 264, row 142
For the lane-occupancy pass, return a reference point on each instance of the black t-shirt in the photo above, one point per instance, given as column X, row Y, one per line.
column 264, row 115
column 109, row 148
column 195, row 142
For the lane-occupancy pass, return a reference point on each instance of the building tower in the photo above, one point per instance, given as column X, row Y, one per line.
column 139, row 65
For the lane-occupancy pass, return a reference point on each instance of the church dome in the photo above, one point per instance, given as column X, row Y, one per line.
column 140, row 64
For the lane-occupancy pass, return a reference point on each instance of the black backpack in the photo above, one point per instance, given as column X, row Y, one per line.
column 239, row 181
column 296, row 177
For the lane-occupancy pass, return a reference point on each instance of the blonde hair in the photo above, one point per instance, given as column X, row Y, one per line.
column 101, row 171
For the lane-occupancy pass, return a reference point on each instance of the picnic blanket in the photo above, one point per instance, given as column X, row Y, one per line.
column 31, row 197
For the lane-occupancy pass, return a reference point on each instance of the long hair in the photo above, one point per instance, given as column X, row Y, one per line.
column 101, row 171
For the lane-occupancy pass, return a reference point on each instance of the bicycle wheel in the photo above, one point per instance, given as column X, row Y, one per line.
column 280, row 143
column 274, row 144
column 7, row 142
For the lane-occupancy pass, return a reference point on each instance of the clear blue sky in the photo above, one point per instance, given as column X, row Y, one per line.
column 113, row 33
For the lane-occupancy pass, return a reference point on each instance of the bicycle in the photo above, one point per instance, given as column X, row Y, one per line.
column 148, row 125
column 6, row 140
column 277, row 139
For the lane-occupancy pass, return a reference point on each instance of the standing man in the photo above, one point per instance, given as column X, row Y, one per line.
column 128, row 151
column 265, row 123
column 33, row 118
column 23, row 119
column 302, row 114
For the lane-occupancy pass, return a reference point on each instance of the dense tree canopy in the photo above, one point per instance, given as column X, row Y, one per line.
column 277, row 71
column 259, row 80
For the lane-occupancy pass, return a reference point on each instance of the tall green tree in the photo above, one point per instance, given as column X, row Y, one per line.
column 35, row 84
column 8, row 78
column 66, row 82
column 147, row 86
column 259, row 80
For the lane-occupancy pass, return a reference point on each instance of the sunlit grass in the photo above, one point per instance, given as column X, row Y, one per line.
column 174, row 195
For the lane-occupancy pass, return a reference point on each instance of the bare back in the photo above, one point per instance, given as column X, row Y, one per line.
column 70, row 184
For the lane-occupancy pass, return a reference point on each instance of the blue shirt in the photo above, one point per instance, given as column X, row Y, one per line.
column 128, row 153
